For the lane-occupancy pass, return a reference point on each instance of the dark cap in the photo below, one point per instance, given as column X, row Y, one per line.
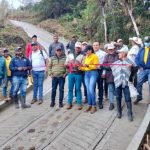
column 147, row 39
column 34, row 36
column 5, row 50
column 17, row 48
column 34, row 43
column 89, row 47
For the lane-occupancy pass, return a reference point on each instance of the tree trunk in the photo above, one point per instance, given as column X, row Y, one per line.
column 133, row 19
column 105, row 24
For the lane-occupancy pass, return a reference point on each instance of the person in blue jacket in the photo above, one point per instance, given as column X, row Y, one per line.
column 143, row 63
column 3, row 73
column 20, row 66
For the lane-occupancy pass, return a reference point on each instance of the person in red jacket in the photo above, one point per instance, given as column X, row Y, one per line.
column 29, row 47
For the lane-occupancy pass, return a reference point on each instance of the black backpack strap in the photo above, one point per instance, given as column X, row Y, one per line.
column 43, row 56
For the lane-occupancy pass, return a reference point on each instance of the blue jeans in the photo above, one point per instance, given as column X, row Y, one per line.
column 111, row 91
column 5, row 85
column 1, row 80
column 19, row 83
column 55, row 82
column 142, row 77
column 74, row 79
column 38, row 78
column 90, row 82
column 84, row 86
column 126, row 92
column 100, row 86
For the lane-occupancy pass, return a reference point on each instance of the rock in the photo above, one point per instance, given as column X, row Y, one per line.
column 7, row 148
column 31, row 130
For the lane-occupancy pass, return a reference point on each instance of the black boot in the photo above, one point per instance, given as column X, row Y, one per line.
column 129, row 107
column 15, row 99
column 119, row 109
column 23, row 102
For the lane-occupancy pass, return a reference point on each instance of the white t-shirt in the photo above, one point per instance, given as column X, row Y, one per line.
column 38, row 60
column 101, row 55
column 133, row 53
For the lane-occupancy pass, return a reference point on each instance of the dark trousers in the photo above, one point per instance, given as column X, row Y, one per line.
column 100, row 86
column 126, row 92
column 55, row 82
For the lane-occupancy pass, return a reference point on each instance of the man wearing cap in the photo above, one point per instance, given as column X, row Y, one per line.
column 20, row 66
column 55, row 44
column 73, row 61
column 136, row 44
column 3, row 72
column 9, row 76
column 39, row 61
column 57, row 71
column 121, row 73
column 120, row 44
column 143, row 62
column 71, row 45
column 110, row 58
column 101, row 55
column 29, row 47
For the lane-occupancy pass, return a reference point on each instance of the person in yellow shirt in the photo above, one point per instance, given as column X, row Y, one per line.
column 9, row 77
column 91, row 76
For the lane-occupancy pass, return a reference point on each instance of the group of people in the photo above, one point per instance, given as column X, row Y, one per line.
column 110, row 68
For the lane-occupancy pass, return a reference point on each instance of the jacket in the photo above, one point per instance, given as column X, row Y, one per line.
column 91, row 62
column 57, row 68
column 140, row 59
column 16, row 62
column 110, row 58
column 29, row 49
column 3, row 72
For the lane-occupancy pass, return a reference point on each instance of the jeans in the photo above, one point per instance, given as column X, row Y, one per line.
column 84, row 86
column 1, row 80
column 38, row 78
column 74, row 79
column 55, row 82
column 100, row 86
column 126, row 92
column 19, row 83
column 5, row 85
column 90, row 82
column 111, row 91
column 142, row 77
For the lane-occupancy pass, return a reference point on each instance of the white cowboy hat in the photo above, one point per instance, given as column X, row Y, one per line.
column 136, row 40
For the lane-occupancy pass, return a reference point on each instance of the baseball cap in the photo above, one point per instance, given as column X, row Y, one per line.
column 123, row 49
column 78, row 44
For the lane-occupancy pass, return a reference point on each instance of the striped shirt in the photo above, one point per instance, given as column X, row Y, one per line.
column 121, row 73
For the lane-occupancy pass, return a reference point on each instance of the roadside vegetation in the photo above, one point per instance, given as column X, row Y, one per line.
column 103, row 20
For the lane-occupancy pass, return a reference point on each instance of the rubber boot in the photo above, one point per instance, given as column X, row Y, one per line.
column 15, row 99
column 119, row 108
column 23, row 102
column 129, row 107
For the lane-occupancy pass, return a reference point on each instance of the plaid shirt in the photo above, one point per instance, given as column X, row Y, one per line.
column 121, row 73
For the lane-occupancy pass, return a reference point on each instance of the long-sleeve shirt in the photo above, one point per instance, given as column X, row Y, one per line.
column 53, row 47
column 17, row 62
column 29, row 49
column 91, row 61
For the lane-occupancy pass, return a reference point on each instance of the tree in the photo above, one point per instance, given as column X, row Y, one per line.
column 3, row 11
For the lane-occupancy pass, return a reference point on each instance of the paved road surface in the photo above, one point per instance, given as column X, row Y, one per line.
column 42, row 127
